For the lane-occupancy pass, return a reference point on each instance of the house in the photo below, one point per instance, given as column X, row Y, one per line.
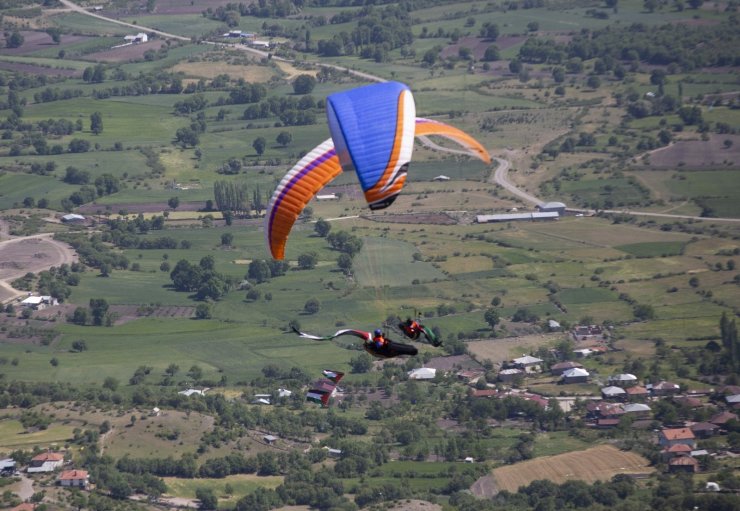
column 45, row 462
column 39, row 302
column 269, row 439
column 673, row 436
column 552, row 325
column 535, row 398
column 675, row 450
column 528, row 364
column 583, row 352
column 74, row 479
column 559, row 368
column 613, row 392
column 637, row 409
column 704, row 429
column 576, row 375
column 484, row 393
column 154, row 412
column 733, row 400
column 327, row 196
column 636, row 392
column 261, row 399
column 334, row 453
column 470, row 375
column 683, row 464
column 611, row 411
column 688, row 401
column 193, row 392
column 510, row 375
column 441, row 177
column 141, row 37
column 588, row 333
column 664, row 388
column 73, row 218
column 7, row 466
column 284, row 393
column 721, row 418
column 623, row 380
column 260, row 44
column 423, row 373
column 548, row 207
column 607, row 423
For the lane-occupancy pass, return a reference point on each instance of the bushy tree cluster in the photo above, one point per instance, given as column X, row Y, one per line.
column 202, row 279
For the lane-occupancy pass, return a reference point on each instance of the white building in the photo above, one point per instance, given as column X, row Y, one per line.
column 39, row 302
column 511, row 217
column 72, row 218
column 193, row 392
column 141, row 37
column 422, row 373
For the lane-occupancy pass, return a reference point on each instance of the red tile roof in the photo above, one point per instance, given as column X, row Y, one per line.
column 69, row 475
column 48, row 456
column 678, row 448
column 683, row 460
column 678, row 434
column 637, row 390
column 722, row 418
column 484, row 392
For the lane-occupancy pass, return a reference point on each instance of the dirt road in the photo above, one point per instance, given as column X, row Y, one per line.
column 19, row 256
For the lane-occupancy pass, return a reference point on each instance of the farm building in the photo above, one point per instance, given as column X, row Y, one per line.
column 528, row 364
column 441, row 177
column 269, row 439
column 141, row 37
column 704, row 429
column 39, row 302
column 636, row 393
column 260, row 44
column 193, row 392
column 423, row 373
column 588, row 333
column 722, row 418
column 548, row 207
column 327, row 196
column 668, row 437
column 45, row 462
column 261, row 399
column 73, row 218
column 612, row 392
column 7, row 466
column 513, row 217
column 236, row 33
column 561, row 367
column 576, row 375
column 683, row 464
column 637, row 409
column 623, row 380
column 74, row 478
column 509, row 375
column 664, row 388
column 553, row 325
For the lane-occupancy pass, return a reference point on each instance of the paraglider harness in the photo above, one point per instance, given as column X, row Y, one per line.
column 413, row 330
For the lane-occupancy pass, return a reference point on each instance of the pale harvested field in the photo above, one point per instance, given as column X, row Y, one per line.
column 210, row 70
column 598, row 463
column 291, row 71
column 499, row 350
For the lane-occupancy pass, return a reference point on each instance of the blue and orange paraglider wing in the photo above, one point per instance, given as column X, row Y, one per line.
column 296, row 189
column 426, row 127
column 373, row 131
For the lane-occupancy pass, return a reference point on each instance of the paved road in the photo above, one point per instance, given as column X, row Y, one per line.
column 501, row 177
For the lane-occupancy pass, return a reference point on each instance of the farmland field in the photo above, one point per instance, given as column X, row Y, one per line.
column 599, row 463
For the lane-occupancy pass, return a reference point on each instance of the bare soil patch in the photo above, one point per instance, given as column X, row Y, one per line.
column 35, row 41
column 38, row 70
column 32, row 254
column 127, row 313
column 414, row 218
column 693, row 154
column 452, row 363
column 500, row 350
column 478, row 45
column 136, row 208
column 598, row 463
column 128, row 53
column 210, row 70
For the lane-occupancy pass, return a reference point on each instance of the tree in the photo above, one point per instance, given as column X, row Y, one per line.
column 491, row 54
column 361, row 363
column 304, row 84
column 515, row 66
column 489, row 31
column 644, row 311
column 312, row 306
column 207, row 498
column 284, row 138
column 96, row 123
column 308, row 260
column 15, row 40
column 79, row 316
column 79, row 345
column 259, row 271
column 55, row 33
column 187, row 137
column 173, row 202
column 259, row 145
column 344, row 262
column 203, row 311
column 593, row 82
column 492, row 318
column 98, row 310
column 78, row 145
column 226, row 239
column 322, row 227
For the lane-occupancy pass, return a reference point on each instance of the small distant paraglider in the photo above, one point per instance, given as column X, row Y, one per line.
column 372, row 133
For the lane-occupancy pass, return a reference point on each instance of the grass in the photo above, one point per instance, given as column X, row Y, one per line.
column 14, row 187
column 14, row 436
column 241, row 485
column 653, row 249
column 383, row 262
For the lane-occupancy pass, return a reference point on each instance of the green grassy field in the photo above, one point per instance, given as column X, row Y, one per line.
column 14, row 436
column 241, row 485
column 653, row 249
column 14, row 187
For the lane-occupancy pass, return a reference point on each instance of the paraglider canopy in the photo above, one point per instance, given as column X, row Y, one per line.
column 372, row 133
